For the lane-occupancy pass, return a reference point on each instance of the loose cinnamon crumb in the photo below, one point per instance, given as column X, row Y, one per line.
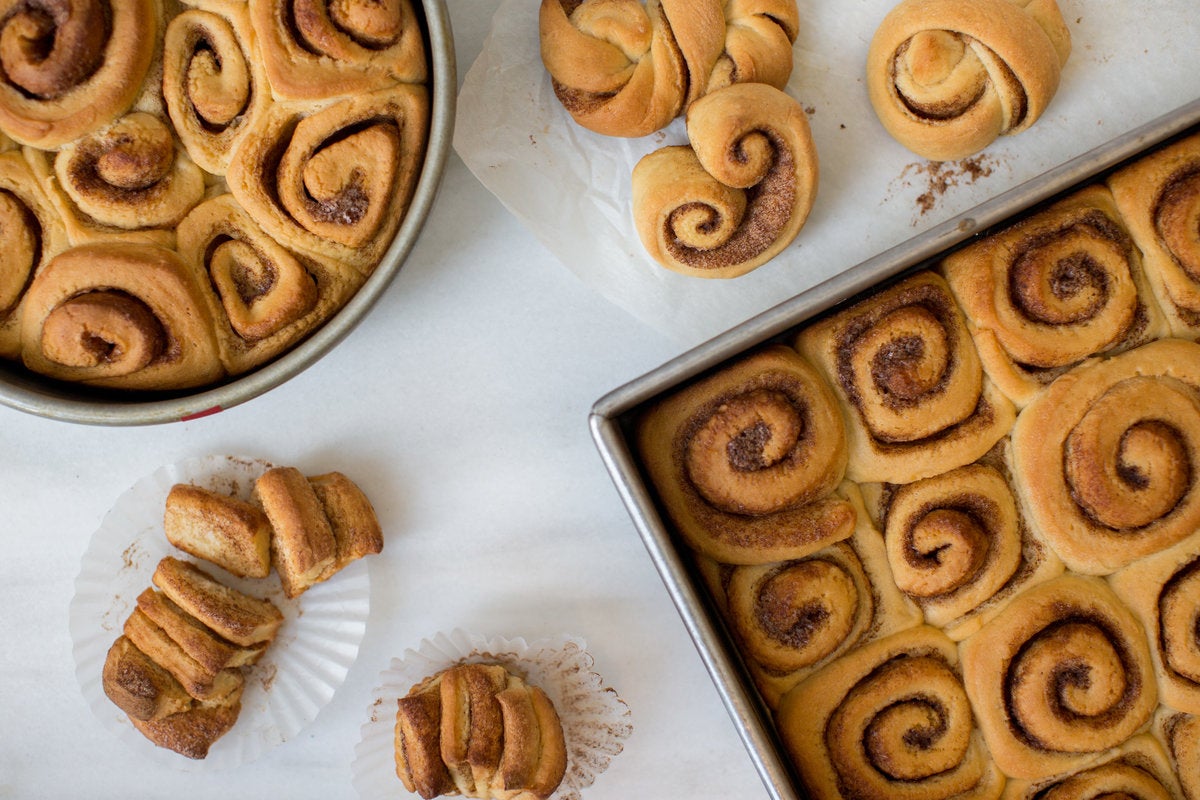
column 940, row 176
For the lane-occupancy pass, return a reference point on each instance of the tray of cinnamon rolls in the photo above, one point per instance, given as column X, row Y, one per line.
column 934, row 525
column 203, row 198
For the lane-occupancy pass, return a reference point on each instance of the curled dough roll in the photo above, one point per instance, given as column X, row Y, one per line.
column 947, row 77
column 1163, row 590
column 31, row 232
column 1181, row 735
column 314, row 49
column 335, row 183
column 1137, row 770
column 1061, row 676
column 213, row 85
column 909, row 381
column 120, row 315
column 130, row 175
column 1105, row 459
column 746, row 461
column 892, row 721
column 267, row 297
column 1052, row 290
column 758, row 43
column 738, row 195
column 1159, row 198
column 97, row 55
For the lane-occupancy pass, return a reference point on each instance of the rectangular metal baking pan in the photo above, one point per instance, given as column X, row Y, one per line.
column 612, row 416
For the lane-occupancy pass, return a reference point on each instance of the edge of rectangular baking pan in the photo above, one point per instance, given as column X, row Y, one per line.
column 608, row 422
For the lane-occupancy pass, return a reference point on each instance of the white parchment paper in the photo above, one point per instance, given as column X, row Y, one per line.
column 1130, row 63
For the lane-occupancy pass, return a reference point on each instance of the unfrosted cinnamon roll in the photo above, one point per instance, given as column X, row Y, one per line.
column 1057, row 287
column 758, row 43
column 1063, row 675
column 268, row 297
column 1106, row 459
column 315, row 49
column 738, row 194
column 120, row 315
column 958, row 545
column 31, row 232
column 909, row 381
column 1180, row 733
column 1163, row 590
column 69, row 67
column 947, row 77
column 335, row 183
column 1159, row 198
column 1137, row 770
column 889, row 721
column 793, row 617
column 746, row 460
column 214, row 85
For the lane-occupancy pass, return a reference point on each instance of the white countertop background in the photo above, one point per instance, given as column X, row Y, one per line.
column 460, row 406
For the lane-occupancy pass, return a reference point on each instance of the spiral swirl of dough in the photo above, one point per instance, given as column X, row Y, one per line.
column 335, row 183
column 214, row 88
column 267, row 297
column 120, row 315
column 758, row 44
column 1062, row 675
column 315, row 49
column 1108, row 457
column 747, row 462
column 1058, row 287
column 131, row 175
column 71, row 66
column 910, row 380
column 891, row 719
column 1180, row 733
column 947, row 77
column 738, row 195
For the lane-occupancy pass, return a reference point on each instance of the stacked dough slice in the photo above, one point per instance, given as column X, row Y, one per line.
column 178, row 669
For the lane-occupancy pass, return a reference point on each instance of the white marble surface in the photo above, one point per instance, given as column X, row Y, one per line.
column 460, row 405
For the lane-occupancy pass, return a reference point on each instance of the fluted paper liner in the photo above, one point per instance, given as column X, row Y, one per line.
column 298, row 674
column 595, row 720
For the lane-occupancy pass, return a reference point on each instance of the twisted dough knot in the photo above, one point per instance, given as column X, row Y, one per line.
column 624, row 68
column 738, row 195
column 947, row 77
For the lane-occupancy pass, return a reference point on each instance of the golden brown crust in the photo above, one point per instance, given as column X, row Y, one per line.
column 138, row 686
column 472, row 726
column 1180, row 734
column 219, row 528
column 238, row 617
column 193, row 732
column 746, row 460
column 195, row 638
column 1138, row 770
column 418, row 749
column 303, row 548
column 739, row 194
column 196, row 679
column 947, row 77
column 350, row 514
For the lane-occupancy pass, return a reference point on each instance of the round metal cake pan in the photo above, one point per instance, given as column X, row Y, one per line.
column 33, row 394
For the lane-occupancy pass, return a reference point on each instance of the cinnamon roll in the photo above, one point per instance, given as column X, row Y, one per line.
column 909, row 382
column 738, row 195
column 1106, row 459
column 947, row 77
column 958, row 545
column 334, row 183
column 746, row 460
column 889, row 721
column 1060, row 286
column 1181, row 735
column 1137, row 770
column 1159, row 198
column 1163, row 590
column 267, row 297
column 31, row 232
column 69, row 67
column 213, row 84
column 791, row 618
column 628, row 68
column 316, row 49
column 1063, row 675
column 120, row 315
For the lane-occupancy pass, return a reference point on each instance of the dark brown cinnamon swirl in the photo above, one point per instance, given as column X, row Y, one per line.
column 1137, row 770
column 909, row 381
column 69, row 67
column 1180, row 733
column 746, row 461
column 1063, row 675
column 1106, row 459
column 1060, row 286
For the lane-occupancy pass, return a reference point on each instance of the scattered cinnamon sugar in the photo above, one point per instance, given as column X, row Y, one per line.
column 939, row 176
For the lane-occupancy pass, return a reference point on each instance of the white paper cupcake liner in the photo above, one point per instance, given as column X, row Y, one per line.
column 595, row 720
column 296, row 677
